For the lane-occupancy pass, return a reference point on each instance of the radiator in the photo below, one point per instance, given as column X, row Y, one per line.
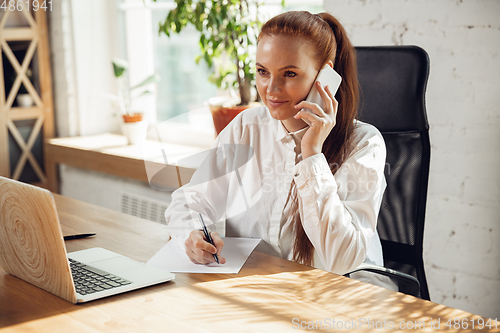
column 143, row 207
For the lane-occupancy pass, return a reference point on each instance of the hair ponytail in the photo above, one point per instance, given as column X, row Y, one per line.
column 337, row 145
column 331, row 43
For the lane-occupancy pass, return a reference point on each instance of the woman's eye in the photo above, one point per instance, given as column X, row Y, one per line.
column 261, row 71
column 290, row 74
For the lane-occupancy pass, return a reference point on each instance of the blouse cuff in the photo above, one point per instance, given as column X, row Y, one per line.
column 309, row 168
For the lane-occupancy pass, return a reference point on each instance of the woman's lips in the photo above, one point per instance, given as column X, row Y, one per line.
column 276, row 103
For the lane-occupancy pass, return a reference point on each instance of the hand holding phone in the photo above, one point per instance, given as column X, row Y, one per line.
column 327, row 76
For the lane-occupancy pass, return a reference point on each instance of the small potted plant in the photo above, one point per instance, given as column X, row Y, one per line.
column 133, row 125
column 228, row 30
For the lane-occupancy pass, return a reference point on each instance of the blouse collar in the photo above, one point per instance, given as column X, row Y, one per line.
column 282, row 132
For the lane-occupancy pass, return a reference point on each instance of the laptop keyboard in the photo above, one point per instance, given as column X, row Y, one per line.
column 90, row 280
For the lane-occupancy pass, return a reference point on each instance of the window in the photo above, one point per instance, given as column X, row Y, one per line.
column 184, row 85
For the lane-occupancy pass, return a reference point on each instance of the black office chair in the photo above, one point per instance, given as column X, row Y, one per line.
column 393, row 81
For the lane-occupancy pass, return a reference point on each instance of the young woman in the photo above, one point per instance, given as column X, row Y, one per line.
column 311, row 193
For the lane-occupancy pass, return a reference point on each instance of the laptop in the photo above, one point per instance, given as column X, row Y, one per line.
column 32, row 249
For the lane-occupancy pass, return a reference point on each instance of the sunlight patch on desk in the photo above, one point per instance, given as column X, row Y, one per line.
column 319, row 298
column 316, row 296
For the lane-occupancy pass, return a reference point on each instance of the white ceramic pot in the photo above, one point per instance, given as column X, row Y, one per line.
column 135, row 132
column 24, row 100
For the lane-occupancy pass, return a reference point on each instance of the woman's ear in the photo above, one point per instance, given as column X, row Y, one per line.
column 329, row 63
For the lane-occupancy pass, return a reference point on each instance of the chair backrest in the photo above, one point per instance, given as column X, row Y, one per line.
column 393, row 80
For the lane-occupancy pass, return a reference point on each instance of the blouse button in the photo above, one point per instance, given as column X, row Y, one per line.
column 296, row 175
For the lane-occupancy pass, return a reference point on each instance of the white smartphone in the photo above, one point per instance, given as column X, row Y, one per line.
column 328, row 77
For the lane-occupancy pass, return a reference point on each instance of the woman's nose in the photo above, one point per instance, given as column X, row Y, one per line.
column 274, row 86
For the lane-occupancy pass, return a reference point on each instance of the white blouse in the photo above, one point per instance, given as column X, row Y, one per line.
column 247, row 180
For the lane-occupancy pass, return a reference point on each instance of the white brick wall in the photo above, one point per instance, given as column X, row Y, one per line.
column 462, row 37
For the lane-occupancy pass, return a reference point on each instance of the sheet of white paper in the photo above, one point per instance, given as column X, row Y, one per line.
column 236, row 251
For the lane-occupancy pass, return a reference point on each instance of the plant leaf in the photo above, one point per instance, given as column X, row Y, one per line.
column 119, row 66
column 144, row 93
column 151, row 79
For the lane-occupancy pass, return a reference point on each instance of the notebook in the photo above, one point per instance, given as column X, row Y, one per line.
column 32, row 249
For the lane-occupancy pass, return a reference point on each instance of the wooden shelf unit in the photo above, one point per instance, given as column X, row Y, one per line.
column 42, row 112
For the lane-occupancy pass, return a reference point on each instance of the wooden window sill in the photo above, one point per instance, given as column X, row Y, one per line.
column 110, row 153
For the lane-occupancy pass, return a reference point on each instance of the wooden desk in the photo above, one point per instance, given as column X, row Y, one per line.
column 110, row 153
column 268, row 295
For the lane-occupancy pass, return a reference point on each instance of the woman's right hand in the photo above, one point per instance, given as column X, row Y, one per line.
column 200, row 251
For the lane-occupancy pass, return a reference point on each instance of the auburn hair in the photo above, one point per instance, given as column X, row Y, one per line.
column 330, row 41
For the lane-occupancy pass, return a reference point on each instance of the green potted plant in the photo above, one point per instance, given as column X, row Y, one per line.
column 228, row 31
column 133, row 126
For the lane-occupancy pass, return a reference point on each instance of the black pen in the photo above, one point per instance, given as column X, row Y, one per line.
column 78, row 236
column 207, row 236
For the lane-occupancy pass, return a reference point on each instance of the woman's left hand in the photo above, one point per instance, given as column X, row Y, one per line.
column 322, row 121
